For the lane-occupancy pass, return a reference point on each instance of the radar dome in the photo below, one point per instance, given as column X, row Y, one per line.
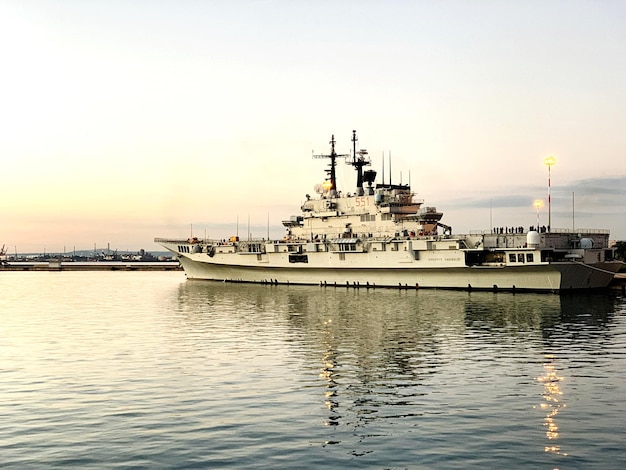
column 586, row 243
column 533, row 239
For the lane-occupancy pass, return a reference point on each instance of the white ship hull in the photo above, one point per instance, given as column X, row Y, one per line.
column 363, row 270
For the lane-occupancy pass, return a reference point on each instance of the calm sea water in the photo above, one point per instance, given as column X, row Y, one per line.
column 147, row 370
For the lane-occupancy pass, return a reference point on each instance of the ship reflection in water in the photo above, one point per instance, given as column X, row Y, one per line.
column 422, row 377
column 326, row 373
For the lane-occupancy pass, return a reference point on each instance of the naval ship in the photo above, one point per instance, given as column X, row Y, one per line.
column 381, row 235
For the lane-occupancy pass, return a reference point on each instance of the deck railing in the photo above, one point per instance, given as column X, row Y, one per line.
column 555, row 231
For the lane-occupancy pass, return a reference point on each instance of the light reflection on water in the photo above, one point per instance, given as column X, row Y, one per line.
column 552, row 404
column 145, row 369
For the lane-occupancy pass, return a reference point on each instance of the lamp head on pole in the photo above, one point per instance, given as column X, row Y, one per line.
column 549, row 161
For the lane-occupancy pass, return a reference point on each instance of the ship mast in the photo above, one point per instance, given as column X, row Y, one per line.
column 333, row 163
column 358, row 163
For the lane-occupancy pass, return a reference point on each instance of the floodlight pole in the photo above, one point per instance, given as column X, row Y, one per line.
column 549, row 161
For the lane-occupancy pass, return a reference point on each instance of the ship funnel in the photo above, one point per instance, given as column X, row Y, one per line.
column 369, row 176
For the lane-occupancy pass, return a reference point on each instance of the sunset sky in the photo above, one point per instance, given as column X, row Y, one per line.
column 125, row 120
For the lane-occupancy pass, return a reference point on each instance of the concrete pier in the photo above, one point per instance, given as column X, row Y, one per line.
column 92, row 266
